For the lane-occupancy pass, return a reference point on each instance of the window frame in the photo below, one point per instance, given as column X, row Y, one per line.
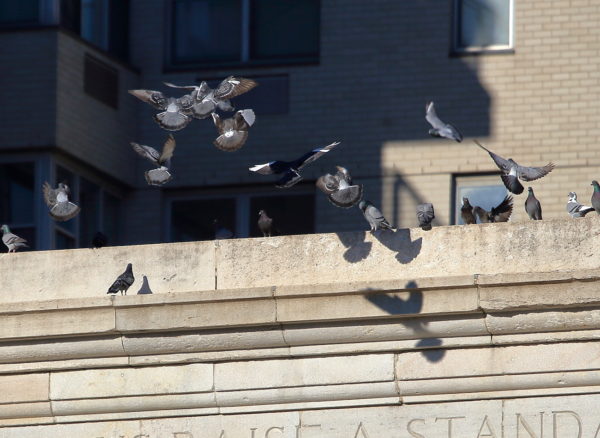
column 474, row 50
column 456, row 180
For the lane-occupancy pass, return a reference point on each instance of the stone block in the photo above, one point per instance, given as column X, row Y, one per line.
column 24, row 388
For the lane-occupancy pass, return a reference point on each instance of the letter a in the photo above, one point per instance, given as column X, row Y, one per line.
column 490, row 430
column 362, row 430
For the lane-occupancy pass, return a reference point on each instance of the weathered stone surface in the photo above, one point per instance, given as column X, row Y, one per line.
column 24, row 388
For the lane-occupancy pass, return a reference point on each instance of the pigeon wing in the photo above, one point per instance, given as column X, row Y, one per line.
column 167, row 150
column 267, row 168
column 503, row 164
column 231, row 87
column 244, row 118
column 289, row 178
column 328, row 184
column 63, row 211
column 232, row 142
column 147, row 152
column 511, row 182
column 313, row 155
column 502, row 212
column 218, row 122
column 482, row 214
column 49, row 195
column 157, row 177
column 432, row 118
column 184, row 87
column 348, row 197
column 533, row 173
column 172, row 121
column 154, row 98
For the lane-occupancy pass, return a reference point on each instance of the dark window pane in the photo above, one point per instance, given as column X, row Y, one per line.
column 110, row 219
column 293, row 214
column 284, row 29
column 206, row 31
column 89, row 201
column 19, row 11
column 70, row 15
column 94, row 22
column 484, row 23
column 16, row 193
column 67, row 177
column 194, row 220
column 27, row 233
column 118, row 37
column 101, row 81
column 272, row 97
column 63, row 241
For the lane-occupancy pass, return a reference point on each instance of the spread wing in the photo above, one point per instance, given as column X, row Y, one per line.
column 347, row 197
column 218, row 122
column 147, row 152
column 232, row 87
column 167, row 150
column 49, row 195
column 533, row 173
column 502, row 212
column 432, row 118
column 503, row 164
column 328, row 184
column 154, row 98
column 313, row 155
column 244, row 118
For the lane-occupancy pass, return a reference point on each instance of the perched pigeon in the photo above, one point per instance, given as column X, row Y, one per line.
column 339, row 188
column 221, row 232
column 233, row 132
column 512, row 171
column 160, row 176
column 57, row 200
column 206, row 100
column 123, row 281
column 174, row 113
column 290, row 169
column 99, row 240
column 265, row 223
column 499, row 213
column 596, row 196
column 440, row 129
column 466, row 212
column 374, row 216
column 575, row 208
column 425, row 214
column 533, row 206
column 12, row 241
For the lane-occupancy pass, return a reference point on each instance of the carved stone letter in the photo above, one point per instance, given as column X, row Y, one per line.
column 411, row 431
column 299, row 428
column 528, row 428
column 571, row 413
column 142, row 436
column 490, row 430
column 270, row 429
column 449, row 423
column 222, row 434
column 362, row 430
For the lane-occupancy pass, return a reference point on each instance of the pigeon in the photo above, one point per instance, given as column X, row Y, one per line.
column 575, row 208
column 440, row 129
column 221, row 232
column 533, row 206
column 512, row 171
column 425, row 214
column 265, row 223
column 160, row 176
column 290, row 169
column 339, row 188
column 466, row 212
column 596, row 196
column 233, row 131
column 57, row 200
column 499, row 213
column 123, row 281
column 12, row 241
column 206, row 100
column 175, row 112
column 374, row 216
column 99, row 240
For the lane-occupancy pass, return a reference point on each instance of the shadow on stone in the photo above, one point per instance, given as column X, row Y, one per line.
column 145, row 289
column 356, row 247
column 406, row 250
column 433, row 355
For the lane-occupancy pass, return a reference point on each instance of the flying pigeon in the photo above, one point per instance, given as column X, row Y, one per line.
column 575, row 208
column 499, row 213
column 57, row 200
column 425, row 214
column 339, row 188
column 221, row 232
column 596, row 196
column 99, row 240
column 466, row 212
column 206, row 100
column 290, row 169
column 160, row 176
column 374, row 216
column 512, row 171
column 123, row 281
column 439, row 128
column 265, row 223
column 233, row 131
column 533, row 206
column 174, row 113
column 12, row 241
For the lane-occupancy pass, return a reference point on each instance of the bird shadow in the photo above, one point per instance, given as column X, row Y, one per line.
column 356, row 247
column 145, row 288
column 400, row 242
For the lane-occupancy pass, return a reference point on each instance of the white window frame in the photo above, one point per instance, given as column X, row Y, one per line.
column 482, row 49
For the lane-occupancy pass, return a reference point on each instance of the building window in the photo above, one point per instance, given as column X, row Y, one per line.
column 481, row 25
column 17, row 206
column 233, row 32
column 486, row 191
column 202, row 217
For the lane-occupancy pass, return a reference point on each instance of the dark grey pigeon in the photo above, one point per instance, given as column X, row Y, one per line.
column 206, row 100
column 12, row 241
column 466, row 212
column 174, row 113
column 439, row 128
column 99, row 240
column 374, row 216
column 512, row 171
column 123, row 281
column 533, row 206
column 575, row 208
column 233, row 132
column 425, row 214
column 596, row 196
column 57, row 200
column 290, row 169
column 160, row 176
column 265, row 223
column 499, row 213
column 339, row 188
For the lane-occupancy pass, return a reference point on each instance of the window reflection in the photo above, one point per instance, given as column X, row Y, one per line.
column 486, row 191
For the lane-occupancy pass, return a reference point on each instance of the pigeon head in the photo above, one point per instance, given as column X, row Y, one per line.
column 363, row 205
column 596, row 186
column 572, row 196
column 129, row 267
column 5, row 229
column 261, row 212
column 465, row 202
column 530, row 190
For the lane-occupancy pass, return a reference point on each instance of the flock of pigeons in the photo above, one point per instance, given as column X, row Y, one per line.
column 202, row 102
